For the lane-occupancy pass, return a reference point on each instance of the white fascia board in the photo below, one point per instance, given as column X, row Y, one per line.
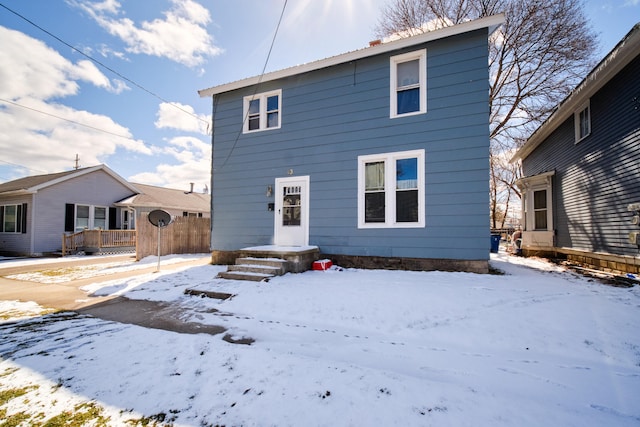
column 490, row 22
column 117, row 177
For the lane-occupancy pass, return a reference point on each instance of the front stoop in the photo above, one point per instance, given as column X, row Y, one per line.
column 255, row 269
column 262, row 263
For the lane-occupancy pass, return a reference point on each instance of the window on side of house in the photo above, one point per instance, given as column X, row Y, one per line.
column 391, row 190
column 582, row 119
column 408, row 84
column 262, row 111
column 540, row 210
column 13, row 218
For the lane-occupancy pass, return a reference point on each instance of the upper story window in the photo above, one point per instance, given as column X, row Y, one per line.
column 13, row 218
column 408, row 84
column 582, row 119
column 262, row 111
column 391, row 190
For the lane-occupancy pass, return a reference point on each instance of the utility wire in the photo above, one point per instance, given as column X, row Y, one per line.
column 103, row 65
column 67, row 120
column 21, row 166
column 255, row 91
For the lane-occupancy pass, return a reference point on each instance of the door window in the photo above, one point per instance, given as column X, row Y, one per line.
column 291, row 207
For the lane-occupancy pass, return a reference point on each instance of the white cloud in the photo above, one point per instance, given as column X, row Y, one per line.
column 181, row 36
column 193, row 164
column 181, row 117
column 28, row 67
column 32, row 75
column 50, row 143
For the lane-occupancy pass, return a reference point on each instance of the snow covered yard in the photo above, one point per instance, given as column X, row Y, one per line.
column 535, row 346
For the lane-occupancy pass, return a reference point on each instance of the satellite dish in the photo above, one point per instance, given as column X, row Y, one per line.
column 159, row 218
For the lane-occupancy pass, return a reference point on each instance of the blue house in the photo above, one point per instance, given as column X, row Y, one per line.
column 374, row 158
column 581, row 185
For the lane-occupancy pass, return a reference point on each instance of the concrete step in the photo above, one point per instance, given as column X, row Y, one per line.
column 244, row 275
column 269, row 262
column 256, row 268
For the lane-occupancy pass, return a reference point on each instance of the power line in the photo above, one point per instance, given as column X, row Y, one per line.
column 103, row 65
column 67, row 120
column 255, row 91
column 21, row 166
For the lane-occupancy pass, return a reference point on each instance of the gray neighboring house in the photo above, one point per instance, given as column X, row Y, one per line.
column 582, row 168
column 175, row 202
column 378, row 157
column 36, row 211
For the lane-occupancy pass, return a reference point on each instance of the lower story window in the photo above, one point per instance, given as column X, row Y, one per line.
column 86, row 217
column 13, row 218
column 540, row 209
column 537, row 205
column 391, row 190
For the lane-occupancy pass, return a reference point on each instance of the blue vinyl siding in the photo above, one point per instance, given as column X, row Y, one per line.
column 332, row 116
column 597, row 178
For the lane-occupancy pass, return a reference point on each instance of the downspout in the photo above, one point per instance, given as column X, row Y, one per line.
column 32, row 234
column 214, row 102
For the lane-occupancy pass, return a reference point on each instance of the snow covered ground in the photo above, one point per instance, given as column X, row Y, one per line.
column 343, row 347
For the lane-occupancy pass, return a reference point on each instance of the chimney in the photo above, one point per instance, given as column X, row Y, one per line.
column 191, row 191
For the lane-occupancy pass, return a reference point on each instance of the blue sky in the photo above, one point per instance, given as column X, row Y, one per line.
column 56, row 103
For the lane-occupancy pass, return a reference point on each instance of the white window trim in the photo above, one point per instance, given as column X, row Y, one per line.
column 390, row 189
column 92, row 217
column 421, row 55
column 263, row 111
column 576, row 121
column 530, row 185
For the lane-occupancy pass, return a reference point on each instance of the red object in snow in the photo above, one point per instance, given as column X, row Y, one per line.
column 323, row 264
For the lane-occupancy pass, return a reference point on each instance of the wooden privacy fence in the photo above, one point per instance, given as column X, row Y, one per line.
column 185, row 235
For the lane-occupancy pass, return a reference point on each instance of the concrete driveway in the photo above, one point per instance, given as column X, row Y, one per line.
column 68, row 296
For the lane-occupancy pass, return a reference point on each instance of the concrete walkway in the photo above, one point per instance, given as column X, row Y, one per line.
column 68, row 296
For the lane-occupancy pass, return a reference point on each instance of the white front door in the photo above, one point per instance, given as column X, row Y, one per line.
column 292, row 211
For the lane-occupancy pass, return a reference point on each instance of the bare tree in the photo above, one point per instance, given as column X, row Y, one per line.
column 542, row 51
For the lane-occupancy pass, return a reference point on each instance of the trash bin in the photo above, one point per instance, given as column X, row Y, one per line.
column 495, row 243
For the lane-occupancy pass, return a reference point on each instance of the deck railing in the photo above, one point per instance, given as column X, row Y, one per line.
column 97, row 240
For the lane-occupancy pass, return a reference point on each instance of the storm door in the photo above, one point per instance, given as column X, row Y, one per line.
column 292, row 211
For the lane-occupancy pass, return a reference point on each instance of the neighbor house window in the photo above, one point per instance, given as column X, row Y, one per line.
column 540, row 209
column 583, row 122
column 85, row 217
column 408, row 84
column 537, row 205
column 100, row 218
column 262, row 111
column 391, row 190
column 13, row 218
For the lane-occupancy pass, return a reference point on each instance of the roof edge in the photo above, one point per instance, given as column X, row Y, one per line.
column 84, row 172
column 619, row 57
column 490, row 22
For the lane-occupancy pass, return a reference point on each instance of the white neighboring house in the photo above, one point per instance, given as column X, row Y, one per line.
column 36, row 211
